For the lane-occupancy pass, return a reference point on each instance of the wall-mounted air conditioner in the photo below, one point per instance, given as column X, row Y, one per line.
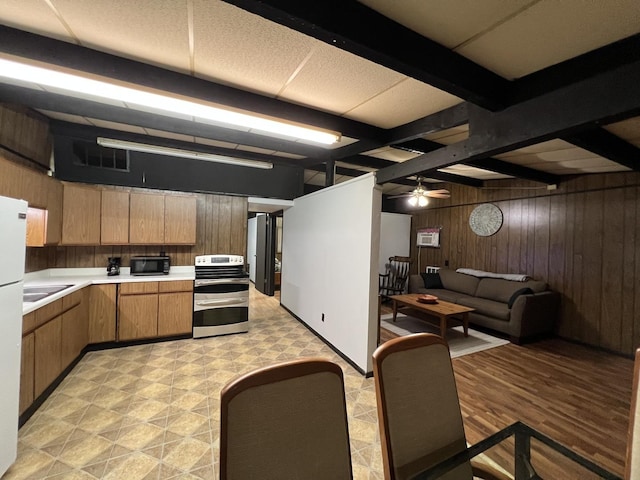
column 428, row 237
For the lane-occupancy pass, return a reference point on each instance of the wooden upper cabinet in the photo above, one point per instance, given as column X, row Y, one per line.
column 115, row 217
column 179, row 220
column 54, row 211
column 80, row 215
column 146, row 218
column 36, row 227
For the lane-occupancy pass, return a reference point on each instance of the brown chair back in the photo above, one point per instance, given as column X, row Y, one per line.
column 286, row 421
column 632, row 470
column 418, row 407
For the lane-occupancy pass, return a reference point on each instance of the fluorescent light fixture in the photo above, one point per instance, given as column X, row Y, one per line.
column 178, row 152
column 103, row 90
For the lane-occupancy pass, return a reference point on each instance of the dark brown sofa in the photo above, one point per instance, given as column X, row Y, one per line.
column 503, row 305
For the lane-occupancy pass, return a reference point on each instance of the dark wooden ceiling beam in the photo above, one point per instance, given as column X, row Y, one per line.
column 603, row 99
column 55, row 52
column 356, row 28
column 76, row 106
column 442, row 120
column 607, row 145
column 491, row 164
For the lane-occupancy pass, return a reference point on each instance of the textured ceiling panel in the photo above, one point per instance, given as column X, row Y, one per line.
column 403, row 103
column 240, row 49
column 628, row 130
column 338, row 81
column 65, row 117
column 450, row 135
column 551, row 31
column 390, row 153
column 153, row 31
column 549, row 146
column 215, row 143
column 116, row 126
column 567, row 154
column 22, row 13
column 448, row 22
column 171, row 135
column 468, row 171
column 247, row 148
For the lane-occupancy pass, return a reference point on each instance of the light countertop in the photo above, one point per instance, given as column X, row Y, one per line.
column 79, row 278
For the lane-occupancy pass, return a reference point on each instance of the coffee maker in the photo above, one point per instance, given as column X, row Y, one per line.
column 114, row 266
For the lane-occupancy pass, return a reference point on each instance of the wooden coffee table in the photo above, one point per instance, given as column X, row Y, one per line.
column 443, row 310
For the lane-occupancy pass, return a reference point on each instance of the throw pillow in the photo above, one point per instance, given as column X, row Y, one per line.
column 517, row 293
column 431, row 280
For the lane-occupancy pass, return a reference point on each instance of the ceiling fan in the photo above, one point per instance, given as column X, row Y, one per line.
column 420, row 195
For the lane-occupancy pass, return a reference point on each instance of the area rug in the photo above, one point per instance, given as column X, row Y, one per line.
column 458, row 344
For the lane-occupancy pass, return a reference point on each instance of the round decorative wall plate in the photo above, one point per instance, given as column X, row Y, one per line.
column 485, row 219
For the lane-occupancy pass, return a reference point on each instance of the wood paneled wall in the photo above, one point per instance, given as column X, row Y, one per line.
column 583, row 239
column 221, row 228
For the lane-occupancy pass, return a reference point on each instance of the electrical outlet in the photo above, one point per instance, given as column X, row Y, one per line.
column 323, row 317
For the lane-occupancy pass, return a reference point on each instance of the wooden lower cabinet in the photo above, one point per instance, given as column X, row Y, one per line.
column 48, row 354
column 175, row 313
column 74, row 335
column 27, row 371
column 137, row 316
column 102, row 313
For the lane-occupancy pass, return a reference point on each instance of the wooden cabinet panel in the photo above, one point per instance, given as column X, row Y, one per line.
column 27, row 371
column 137, row 316
column 48, row 341
column 46, row 313
column 176, row 286
column 74, row 335
column 36, row 227
column 179, row 220
column 175, row 313
column 115, row 218
column 102, row 313
column 72, row 299
column 80, row 215
column 146, row 218
column 138, row 287
column 28, row 322
column 54, row 210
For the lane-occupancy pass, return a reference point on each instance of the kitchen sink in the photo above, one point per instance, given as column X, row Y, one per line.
column 33, row 294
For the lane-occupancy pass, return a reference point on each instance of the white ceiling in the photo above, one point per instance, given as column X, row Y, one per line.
column 219, row 42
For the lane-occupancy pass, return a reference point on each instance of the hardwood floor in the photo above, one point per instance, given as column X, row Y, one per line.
column 577, row 395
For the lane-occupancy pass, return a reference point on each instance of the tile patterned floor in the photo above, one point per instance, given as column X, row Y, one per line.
column 152, row 411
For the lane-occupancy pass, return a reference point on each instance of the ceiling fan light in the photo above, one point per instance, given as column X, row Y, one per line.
column 413, row 201
column 422, row 201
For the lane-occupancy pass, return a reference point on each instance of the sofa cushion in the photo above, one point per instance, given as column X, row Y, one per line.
column 431, row 280
column 459, row 282
column 490, row 308
column 502, row 290
column 517, row 293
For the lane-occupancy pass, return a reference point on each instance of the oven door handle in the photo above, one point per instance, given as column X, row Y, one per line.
column 217, row 281
column 224, row 301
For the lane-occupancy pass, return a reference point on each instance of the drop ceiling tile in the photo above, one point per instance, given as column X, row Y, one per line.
column 247, row 148
column 405, row 102
column 117, row 126
column 594, row 162
column 461, row 132
column 338, row 81
column 549, row 146
column 551, row 31
column 65, row 117
column 21, row 14
column 215, row 143
column 393, row 154
column 314, row 178
column 551, row 156
column 288, row 155
column 473, row 172
column 356, row 167
column 448, row 22
column 171, row 135
column 627, row 130
column 241, row 49
column 153, row 31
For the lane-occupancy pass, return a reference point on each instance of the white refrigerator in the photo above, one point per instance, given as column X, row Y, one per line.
column 13, row 232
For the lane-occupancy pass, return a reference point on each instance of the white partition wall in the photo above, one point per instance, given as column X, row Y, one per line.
column 330, row 265
column 395, row 237
column 251, row 248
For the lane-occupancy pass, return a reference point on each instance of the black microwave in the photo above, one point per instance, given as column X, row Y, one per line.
column 150, row 265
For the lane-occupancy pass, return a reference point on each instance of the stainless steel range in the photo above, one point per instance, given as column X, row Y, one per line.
column 220, row 296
